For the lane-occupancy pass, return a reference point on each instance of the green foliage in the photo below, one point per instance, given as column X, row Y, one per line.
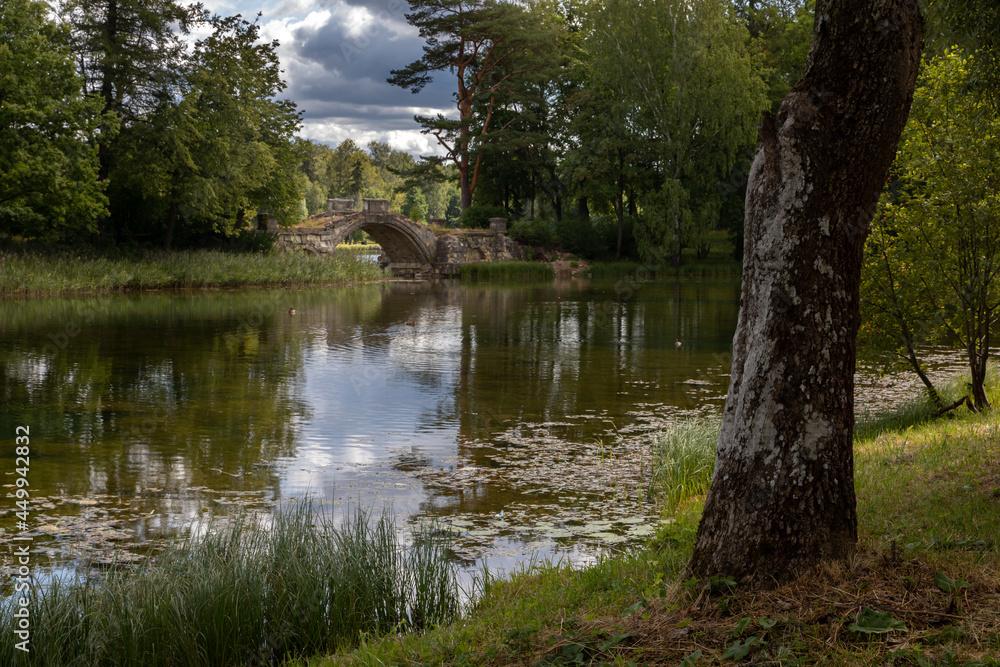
column 872, row 622
column 784, row 32
column 57, row 272
column 247, row 593
column 513, row 43
column 536, row 232
column 932, row 260
column 694, row 85
column 255, row 241
column 683, row 461
column 578, row 235
column 415, row 205
column 478, row 216
column 496, row 271
column 48, row 129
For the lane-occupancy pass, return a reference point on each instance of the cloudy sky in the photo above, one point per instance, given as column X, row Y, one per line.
column 337, row 55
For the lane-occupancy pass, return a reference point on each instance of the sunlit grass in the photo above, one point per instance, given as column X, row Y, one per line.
column 683, row 460
column 86, row 271
column 927, row 502
column 254, row 593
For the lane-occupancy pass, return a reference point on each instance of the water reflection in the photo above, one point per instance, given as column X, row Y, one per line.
column 446, row 400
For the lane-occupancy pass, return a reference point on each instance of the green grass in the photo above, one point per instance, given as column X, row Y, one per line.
column 502, row 271
column 927, row 503
column 35, row 273
column 689, row 267
column 683, row 460
column 254, row 593
column 360, row 248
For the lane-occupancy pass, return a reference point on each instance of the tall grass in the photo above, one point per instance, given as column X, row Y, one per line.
column 683, row 461
column 688, row 267
column 684, row 453
column 507, row 271
column 618, row 269
column 88, row 271
column 250, row 594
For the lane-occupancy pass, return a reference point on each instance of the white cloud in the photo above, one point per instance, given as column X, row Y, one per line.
column 335, row 131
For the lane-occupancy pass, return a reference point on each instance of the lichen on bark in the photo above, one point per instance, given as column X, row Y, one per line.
column 782, row 496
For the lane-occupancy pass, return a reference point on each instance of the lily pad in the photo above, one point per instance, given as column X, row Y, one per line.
column 610, row 538
column 482, row 532
column 556, row 532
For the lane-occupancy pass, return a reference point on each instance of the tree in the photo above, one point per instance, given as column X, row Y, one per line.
column 415, row 205
column 933, row 263
column 238, row 155
column 48, row 164
column 488, row 45
column 782, row 494
column 687, row 66
column 974, row 26
column 130, row 55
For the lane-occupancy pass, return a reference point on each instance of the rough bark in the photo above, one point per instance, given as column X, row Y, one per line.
column 782, row 495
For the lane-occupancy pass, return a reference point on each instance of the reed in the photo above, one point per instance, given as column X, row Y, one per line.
column 661, row 269
column 513, row 271
column 57, row 272
column 257, row 592
column 683, row 461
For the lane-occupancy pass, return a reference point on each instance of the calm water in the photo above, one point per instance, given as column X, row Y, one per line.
column 519, row 417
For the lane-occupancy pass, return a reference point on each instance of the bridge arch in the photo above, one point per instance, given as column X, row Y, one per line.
column 407, row 246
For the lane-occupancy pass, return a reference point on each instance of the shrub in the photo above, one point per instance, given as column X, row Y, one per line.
column 532, row 232
column 478, row 216
column 255, row 241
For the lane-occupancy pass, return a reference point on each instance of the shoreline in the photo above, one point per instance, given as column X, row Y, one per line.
column 66, row 274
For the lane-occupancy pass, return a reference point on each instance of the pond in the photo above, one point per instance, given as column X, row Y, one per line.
column 519, row 418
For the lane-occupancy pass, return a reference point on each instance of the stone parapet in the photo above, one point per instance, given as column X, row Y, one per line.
column 338, row 205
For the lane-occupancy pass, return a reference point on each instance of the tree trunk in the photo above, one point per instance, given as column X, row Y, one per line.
column 977, row 366
column 464, row 185
column 108, row 94
column 168, row 238
column 782, row 495
column 620, row 214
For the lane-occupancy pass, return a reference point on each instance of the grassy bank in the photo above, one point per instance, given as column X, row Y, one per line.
column 31, row 273
column 251, row 594
column 929, row 511
column 507, row 271
column 690, row 268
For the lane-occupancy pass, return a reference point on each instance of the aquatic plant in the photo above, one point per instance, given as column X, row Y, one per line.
column 683, row 460
column 507, row 271
column 256, row 592
column 89, row 271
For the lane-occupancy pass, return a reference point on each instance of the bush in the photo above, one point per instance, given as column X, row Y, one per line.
column 255, row 241
column 578, row 235
column 532, row 232
column 478, row 216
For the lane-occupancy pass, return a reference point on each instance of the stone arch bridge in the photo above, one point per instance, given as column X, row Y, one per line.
column 409, row 249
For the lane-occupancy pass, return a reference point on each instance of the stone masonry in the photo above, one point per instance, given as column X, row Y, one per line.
column 409, row 249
